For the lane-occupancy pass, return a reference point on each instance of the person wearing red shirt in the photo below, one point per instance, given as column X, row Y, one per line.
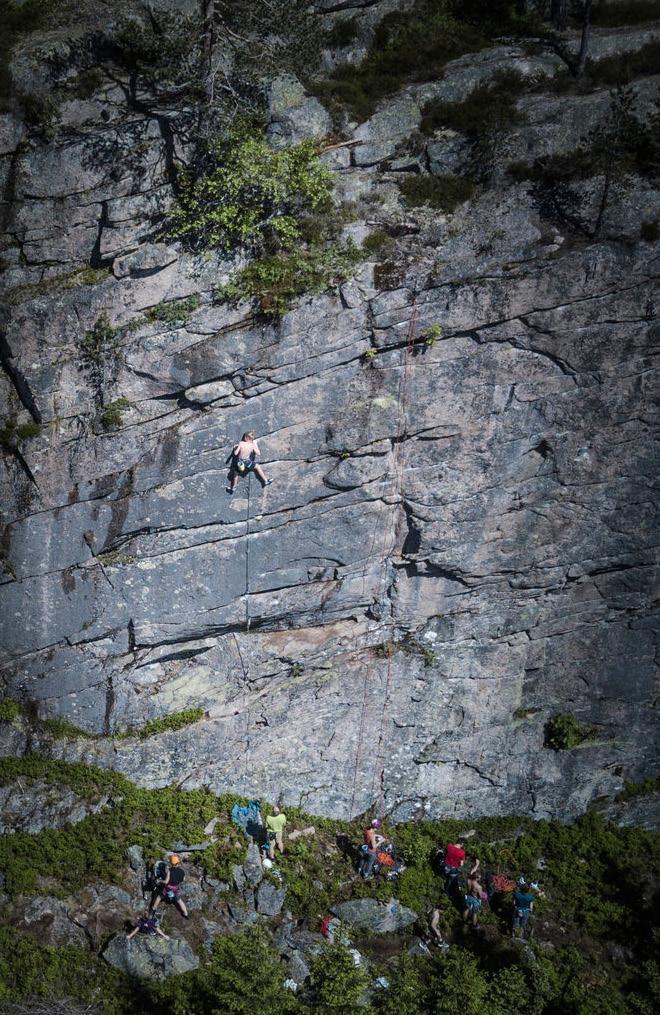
column 454, row 859
column 454, row 855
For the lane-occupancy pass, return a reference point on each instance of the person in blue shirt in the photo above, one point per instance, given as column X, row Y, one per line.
column 523, row 901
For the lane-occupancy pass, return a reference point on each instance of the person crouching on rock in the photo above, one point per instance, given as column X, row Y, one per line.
column 147, row 924
column 243, row 460
column 169, row 886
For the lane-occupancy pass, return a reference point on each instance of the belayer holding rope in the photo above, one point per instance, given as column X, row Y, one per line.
column 243, row 460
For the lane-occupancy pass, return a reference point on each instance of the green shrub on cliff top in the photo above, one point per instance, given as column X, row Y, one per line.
column 244, row 193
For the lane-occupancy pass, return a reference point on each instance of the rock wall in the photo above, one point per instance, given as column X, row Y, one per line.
column 459, row 541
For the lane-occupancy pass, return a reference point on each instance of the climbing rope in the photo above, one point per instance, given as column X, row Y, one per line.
column 397, row 474
column 246, row 685
column 247, row 555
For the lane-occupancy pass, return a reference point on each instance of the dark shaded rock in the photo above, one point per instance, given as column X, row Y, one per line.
column 48, row 921
column 136, row 858
column 375, row 916
column 147, row 260
column 252, row 866
column 270, row 899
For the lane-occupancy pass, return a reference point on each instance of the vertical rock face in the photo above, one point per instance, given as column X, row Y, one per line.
column 459, row 541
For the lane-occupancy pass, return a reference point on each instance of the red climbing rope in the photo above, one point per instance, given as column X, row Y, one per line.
column 398, row 468
column 246, row 685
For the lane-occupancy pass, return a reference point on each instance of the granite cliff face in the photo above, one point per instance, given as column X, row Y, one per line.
column 459, row 542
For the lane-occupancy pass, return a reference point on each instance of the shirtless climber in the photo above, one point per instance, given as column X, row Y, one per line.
column 372, row 840
column 242, row 461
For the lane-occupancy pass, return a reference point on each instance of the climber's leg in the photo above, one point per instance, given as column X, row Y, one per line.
column 261, row 476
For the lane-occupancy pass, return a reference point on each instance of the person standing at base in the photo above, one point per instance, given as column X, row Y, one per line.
column 523, row 902
column 275, row 824
column 472, row 906
column 454, row 860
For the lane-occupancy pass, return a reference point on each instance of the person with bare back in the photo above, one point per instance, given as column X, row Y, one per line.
column 243, row 460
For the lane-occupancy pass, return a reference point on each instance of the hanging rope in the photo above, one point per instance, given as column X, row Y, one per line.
column 397, row 484
column 246, row 698
column 247, row 556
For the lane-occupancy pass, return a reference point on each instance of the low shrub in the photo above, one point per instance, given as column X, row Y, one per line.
column 632, row 790
column 9, row 710
column 100, row 345
column 170, row 723
column 12, row 433
column 112, row 415
column 276, row 281
column 564, row 732
column 29, row 971
column 377, row 244
column 174, row 311
column 40, row 111
column 443, row 192
column 488, row 109
column 623, row 68
column 415, row 45
column 343, row 33
column 338, row 984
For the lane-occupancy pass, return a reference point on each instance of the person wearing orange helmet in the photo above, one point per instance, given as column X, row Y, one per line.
column 169, row 885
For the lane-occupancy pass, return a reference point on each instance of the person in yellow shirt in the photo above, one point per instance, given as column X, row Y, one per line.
column 275, row 823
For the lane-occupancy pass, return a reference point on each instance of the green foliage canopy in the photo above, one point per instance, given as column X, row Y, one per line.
column 245, row 193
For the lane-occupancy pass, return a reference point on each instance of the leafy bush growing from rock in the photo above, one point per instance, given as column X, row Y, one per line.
column 11, row 433
column 564, row 731
column 112, row 414
column 99, row 347
column 174, row 311
column 244, row 193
